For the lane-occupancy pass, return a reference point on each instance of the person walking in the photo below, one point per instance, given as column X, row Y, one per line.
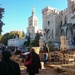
column 7, row 66
column 45, row 51
column 35, row 65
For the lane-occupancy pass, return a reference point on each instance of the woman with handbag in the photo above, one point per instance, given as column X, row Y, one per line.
column 34, row 65
column 28, row 60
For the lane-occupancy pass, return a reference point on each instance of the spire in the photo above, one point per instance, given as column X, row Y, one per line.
column 33, row 11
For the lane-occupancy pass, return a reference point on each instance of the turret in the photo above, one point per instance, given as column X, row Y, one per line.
column 71, row 5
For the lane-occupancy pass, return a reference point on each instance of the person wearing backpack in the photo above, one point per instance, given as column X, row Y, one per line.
column 7, row 66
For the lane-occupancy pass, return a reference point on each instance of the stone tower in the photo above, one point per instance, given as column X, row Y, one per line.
column 32, row 25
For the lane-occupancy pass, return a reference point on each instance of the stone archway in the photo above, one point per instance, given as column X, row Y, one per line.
column 73, row 34
column 62, row 32
column 68, row 34
column 73, row 30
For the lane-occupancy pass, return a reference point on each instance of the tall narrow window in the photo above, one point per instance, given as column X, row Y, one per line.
column 65, row 20
column 44, row 34
column 48, row 22
column 52, row 33
column 61, row 23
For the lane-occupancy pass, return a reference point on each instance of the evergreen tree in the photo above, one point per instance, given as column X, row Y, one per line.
column 23, row 35
column 29, row 39
column 37, row 37
column 1, row 16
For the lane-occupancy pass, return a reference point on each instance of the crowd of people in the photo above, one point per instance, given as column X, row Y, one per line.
column 10, row 67
column 32, row 62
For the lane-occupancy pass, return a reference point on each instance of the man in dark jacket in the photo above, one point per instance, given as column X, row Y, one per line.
column 7, row 66
column 35, row 66
column 45, row 50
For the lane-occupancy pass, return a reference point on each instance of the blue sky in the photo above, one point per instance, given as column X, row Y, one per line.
column 17, row 12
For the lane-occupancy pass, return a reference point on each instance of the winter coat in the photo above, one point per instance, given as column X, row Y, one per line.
column 35, row 66
column 9, row 67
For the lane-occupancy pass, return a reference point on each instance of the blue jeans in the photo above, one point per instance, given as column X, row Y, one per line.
column 45, row 58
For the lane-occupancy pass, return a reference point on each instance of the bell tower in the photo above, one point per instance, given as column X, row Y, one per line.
column 32, row 24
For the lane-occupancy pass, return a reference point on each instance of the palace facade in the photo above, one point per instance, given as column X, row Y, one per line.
column 59, row 23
